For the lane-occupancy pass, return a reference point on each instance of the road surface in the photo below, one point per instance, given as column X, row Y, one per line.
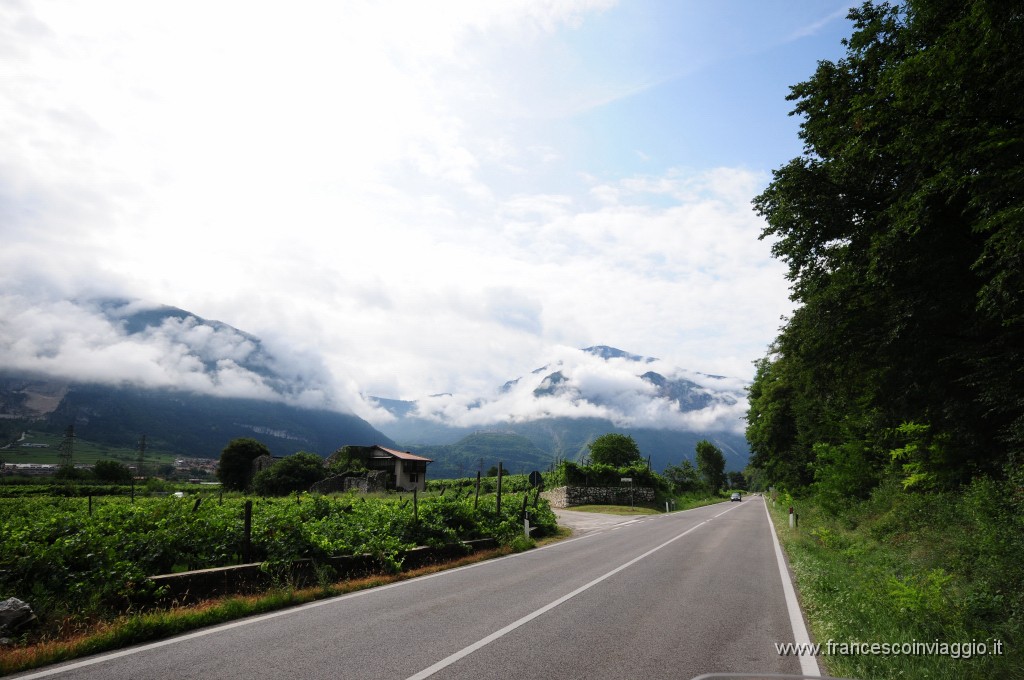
column 663, row 596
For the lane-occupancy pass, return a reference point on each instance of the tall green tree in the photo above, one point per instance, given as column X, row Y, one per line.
column 617, row 450
column 711, row 465
column 112, row 471
column 235, row 467
column 683, row 477
column 901, row 227
column 296, row 472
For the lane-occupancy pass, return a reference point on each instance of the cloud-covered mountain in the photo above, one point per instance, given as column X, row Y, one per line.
column 581, row 394
column 129, row 368
column 119, row 369
column 120, row 342
column 596, row 382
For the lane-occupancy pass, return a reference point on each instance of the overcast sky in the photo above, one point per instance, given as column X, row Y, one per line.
column 421, row 197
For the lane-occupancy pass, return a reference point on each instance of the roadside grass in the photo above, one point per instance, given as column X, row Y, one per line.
column 83, row 639
column 682, row 502
column 614, row 509
column 561, row 533
column 690, row 501
column 937, row 569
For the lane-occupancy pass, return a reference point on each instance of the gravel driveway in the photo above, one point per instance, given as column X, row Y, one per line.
column 582, row 522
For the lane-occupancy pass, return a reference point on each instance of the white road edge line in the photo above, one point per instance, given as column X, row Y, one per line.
column 808, row 663
column 466, row 651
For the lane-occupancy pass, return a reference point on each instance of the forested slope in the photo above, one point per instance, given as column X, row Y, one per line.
column 890, row 409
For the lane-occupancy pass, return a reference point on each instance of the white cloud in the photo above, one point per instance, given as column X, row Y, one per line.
column 586, row 386
column 391, row 196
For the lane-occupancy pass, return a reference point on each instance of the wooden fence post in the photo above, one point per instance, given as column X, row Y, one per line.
column 247, row 539
column 500, row 475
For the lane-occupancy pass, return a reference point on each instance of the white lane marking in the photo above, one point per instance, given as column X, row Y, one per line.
column 466, row 651
column 808, row 664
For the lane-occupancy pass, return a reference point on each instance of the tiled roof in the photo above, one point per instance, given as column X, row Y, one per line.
column 404, row 455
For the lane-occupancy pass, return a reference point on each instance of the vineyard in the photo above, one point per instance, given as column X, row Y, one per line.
column 68, row 556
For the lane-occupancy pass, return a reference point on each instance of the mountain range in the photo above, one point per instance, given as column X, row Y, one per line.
column 559, row 408
column 217, row 383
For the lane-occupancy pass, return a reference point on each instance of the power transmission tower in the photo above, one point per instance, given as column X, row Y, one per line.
column 67, row 448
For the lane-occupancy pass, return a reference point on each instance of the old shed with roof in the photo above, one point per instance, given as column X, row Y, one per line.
column 406, row 471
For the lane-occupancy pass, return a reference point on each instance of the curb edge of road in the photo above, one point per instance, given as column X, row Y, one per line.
column 808, row 664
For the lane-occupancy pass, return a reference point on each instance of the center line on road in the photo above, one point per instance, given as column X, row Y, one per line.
column 498, row 634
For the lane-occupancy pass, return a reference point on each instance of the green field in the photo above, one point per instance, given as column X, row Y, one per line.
column 84, row 452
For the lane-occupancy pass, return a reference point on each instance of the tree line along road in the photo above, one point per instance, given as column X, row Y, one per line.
column 666, row 596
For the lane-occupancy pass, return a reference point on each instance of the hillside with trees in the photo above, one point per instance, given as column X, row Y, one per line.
column 892, row 401
column 902, row 228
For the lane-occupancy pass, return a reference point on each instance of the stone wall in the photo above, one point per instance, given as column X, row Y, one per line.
column 568, row 496
column 365, row 482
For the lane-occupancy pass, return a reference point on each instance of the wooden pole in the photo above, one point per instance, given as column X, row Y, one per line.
column 247, row 539
column 500, row 475
column 415, row 506
column 476, row 500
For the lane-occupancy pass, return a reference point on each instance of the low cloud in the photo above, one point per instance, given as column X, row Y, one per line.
column 433, row 221
column 103, row 342
column 581, row 385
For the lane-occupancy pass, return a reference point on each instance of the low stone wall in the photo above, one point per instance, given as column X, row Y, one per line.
column 366, row 482
column 568, row 496
column 192, row 586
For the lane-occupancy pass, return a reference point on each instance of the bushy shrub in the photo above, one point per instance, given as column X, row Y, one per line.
column 297, row 472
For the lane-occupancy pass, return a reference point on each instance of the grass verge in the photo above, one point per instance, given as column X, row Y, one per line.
column 684, row 502
column 614, row 509
column 931, row 576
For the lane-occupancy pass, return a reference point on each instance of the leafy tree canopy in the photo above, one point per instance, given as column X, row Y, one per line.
column 684, row 477
column 902, row 228
column 617, row 450
column 112, row 471
column 348, row 459
column 297, row 472
column 235, row 467
column 711, row 465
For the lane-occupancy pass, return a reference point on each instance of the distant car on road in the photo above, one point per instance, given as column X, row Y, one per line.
column 735, row 497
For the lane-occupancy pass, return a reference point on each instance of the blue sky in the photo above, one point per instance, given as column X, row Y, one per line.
column 409, row 197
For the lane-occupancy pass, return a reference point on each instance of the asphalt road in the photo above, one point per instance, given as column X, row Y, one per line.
column 666, row 596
